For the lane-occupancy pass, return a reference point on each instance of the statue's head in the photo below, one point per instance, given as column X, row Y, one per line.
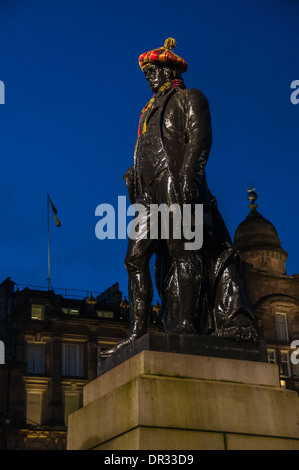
column 157, row 75
column 162, row 65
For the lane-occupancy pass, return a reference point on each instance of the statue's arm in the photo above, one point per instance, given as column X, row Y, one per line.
column 198, row 141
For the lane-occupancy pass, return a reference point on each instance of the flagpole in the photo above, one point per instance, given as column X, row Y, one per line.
column 58, row 224
column 49, row 278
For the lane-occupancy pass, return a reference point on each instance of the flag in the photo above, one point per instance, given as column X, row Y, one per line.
column 54, row 212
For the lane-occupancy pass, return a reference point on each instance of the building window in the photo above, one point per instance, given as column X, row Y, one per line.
column 71, row 404
column 281, row 328
column 37, row 312
column 105, row 314
column 283, row 384
column 295, row 368
column 35, row 358
column 34, row 408
column 285, row 364
column 271, row 356
column 72, row 360
column 71, row 311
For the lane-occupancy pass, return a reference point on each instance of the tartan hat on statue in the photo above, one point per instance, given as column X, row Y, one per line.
column 163, row 56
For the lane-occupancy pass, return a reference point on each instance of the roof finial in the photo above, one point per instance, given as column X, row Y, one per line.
column 252, row 196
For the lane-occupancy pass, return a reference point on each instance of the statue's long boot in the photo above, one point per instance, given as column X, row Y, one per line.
column 140, row 295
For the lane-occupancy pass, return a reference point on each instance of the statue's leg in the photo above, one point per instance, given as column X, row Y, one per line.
column 140, row 287
column 140, row 284
column 181, row 286
column 182, row 293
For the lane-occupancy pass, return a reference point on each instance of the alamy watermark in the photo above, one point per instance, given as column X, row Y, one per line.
column 153, row 222
column 2, row 353
column 295, row 354
column 2, row 92
column 295, row 94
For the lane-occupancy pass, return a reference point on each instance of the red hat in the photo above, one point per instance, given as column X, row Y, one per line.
column 163, row 56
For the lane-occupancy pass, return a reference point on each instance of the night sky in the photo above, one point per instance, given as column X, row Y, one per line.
column 73, row 95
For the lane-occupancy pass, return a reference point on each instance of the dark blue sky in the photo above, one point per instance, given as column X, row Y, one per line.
column 74, row 91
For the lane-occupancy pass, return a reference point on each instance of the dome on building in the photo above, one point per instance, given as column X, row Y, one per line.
column 256, row 231
column 258, row 243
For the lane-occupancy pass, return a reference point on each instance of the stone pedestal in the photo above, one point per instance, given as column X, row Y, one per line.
column 157, row 400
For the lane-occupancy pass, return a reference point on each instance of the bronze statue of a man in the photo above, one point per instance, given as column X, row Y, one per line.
column 200, row 289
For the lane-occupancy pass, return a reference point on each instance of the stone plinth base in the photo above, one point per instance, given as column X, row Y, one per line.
column 168, row 401
column 196, row 345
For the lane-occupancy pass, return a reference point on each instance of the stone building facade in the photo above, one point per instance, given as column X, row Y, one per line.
column 273, row 294
column 51, row 348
